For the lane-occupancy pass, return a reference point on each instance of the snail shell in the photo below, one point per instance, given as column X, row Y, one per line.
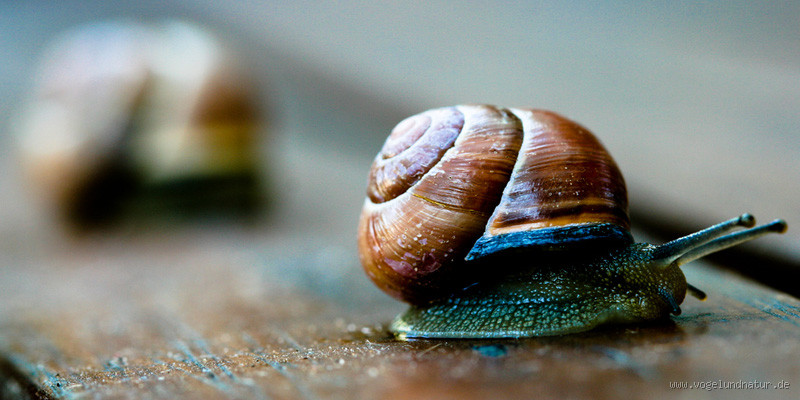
column 456, row 184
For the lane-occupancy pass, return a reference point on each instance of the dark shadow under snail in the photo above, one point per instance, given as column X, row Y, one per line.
column 502, row 223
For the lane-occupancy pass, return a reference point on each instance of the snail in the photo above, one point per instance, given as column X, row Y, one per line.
column 505, row 223
column 130, row 119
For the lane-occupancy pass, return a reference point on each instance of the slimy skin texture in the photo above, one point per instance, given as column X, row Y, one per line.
column 555, row 298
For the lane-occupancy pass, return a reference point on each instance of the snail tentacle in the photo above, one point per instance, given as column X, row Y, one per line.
column 730, row 240
column 671, row 250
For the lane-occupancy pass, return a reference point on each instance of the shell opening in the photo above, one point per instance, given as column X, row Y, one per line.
column 552, row 237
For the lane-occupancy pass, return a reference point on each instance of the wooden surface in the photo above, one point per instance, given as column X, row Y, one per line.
column 227, row 313
column 699, row 107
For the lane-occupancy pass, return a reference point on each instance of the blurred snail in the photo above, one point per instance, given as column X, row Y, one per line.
column 132, row 117
column 497, row 222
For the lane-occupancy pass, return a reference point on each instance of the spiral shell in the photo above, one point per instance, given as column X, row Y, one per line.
column 506, row 179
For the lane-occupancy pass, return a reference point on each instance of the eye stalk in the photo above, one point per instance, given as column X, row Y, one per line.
column 711, row 240
column 714, row 239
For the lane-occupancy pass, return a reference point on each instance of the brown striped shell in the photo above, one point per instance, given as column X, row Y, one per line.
column 455, row 184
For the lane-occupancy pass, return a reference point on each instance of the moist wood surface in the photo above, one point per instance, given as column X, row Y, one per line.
column 248, row 315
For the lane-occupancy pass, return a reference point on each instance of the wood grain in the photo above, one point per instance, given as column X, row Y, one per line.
column 248, row 315
column 701, row 120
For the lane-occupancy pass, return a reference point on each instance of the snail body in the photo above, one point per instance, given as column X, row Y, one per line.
column 495, row 222
column 560, row 295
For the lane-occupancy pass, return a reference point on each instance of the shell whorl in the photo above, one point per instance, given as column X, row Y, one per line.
column 566, row 189
column 448, row 177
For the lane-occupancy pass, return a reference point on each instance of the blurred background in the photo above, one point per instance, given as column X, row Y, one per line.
column 698, row 102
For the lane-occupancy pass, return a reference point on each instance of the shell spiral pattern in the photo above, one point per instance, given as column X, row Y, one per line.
column 504, row 178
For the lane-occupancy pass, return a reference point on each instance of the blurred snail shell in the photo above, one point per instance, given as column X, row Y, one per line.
column 121, row 111
column 497, row 222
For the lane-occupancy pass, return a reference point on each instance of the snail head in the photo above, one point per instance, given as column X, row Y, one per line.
column 666, row 259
